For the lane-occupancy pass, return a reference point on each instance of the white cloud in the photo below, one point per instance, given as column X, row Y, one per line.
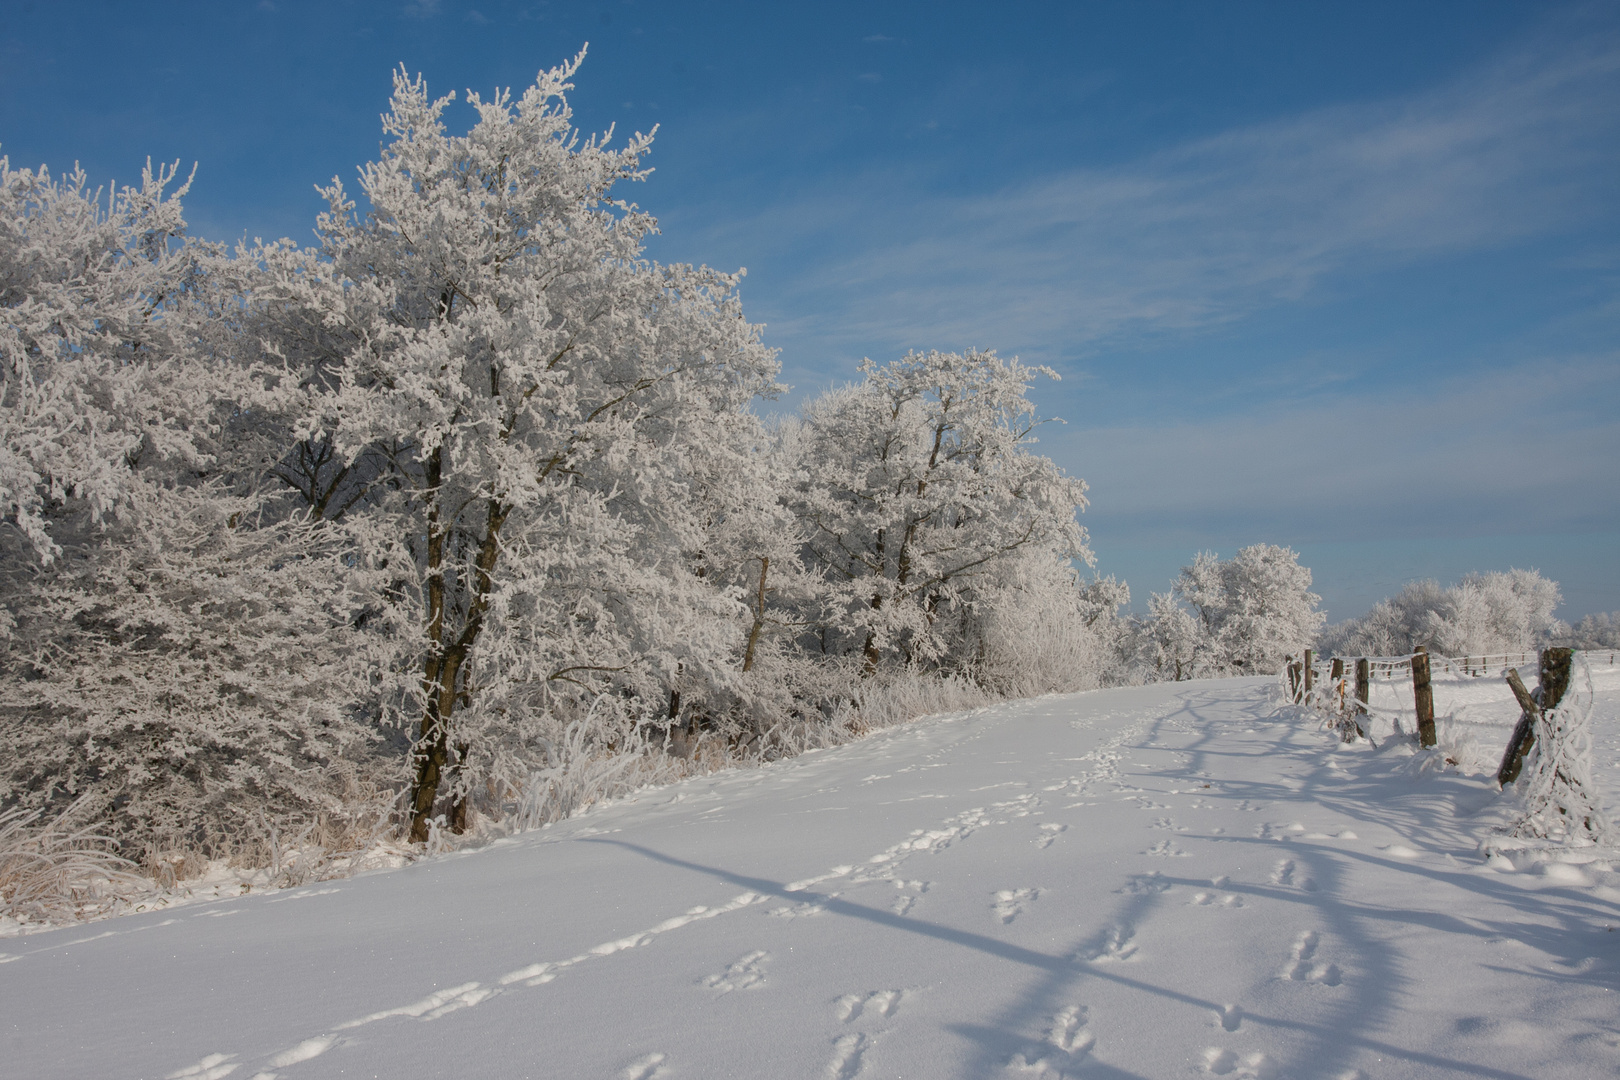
column 1212, row 231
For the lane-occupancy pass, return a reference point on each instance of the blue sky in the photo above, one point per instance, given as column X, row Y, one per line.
column 1339, row 276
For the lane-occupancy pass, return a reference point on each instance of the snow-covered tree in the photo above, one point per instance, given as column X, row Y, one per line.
column 1485, row 613
column 531, row 397
column 92, row 363
column 1247, row 614
column 1599, row 631
column 174, row 659
column 918, row 482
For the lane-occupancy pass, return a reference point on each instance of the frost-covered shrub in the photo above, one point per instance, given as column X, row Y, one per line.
column 1482, row 614
column 1600, row 631
column 1034, row 630
column 197, row 681
column 1241, row 615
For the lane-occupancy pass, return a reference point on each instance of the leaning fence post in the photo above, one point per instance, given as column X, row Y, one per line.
column 1423, row 696
column 1555, row 672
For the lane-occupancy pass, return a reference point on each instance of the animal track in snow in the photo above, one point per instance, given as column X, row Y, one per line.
column 744, row 973
column 1302, row 965
column 1067, row 1045
column 1168, row 824
column 1205, row 899
column 908, row 898
column 536, row 974
column 846, row 1060
column 649, row 1067
column 1230, row 1016
column 1249, row 1067
column 804, row 910
column 1010, row 903
column 212, row 1067
column 431, row 1007
column 1049, row 832
column 1165, row 849
column 1116, row 943
column 300, row 894
column 1145, row 884
column 883, row 1003
column 1283, row 874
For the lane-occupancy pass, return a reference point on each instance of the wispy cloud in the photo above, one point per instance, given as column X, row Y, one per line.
column 1211, row 231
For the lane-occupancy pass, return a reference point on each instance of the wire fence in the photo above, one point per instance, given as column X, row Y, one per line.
column 1471, row 708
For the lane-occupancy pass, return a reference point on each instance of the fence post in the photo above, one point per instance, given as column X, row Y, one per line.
column 1363, row 679
column 1423, row 696
column 1310, row 670
column 1555, row 672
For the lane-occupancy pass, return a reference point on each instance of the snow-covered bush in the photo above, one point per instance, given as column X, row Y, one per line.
column 1242, row 615
column 1482, row 614
column 1033, row 630
column 1600, row 631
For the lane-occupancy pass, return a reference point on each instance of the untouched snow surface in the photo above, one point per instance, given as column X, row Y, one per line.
column 1165, row 881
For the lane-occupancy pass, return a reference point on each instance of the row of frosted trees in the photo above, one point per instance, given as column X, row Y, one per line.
column 467, row 494
column 466, row 511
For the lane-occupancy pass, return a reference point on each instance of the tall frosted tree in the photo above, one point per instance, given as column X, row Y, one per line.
column 517, row 399
column 918, row 483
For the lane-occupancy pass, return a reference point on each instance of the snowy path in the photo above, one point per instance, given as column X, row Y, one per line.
column 1152, row 882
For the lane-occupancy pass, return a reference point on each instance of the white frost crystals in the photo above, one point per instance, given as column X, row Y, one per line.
column 1559, row 800
column 464, row 512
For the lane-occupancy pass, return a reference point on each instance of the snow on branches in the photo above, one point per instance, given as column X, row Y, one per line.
column 918, row 487
column 468, row 502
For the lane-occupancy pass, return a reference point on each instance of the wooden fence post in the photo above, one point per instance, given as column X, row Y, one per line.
column 1423, row 696
column 1363, row 679
column 1310, row 671
column 1555, row 665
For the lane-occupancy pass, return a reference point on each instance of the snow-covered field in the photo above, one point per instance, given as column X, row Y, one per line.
column 1160, row 881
